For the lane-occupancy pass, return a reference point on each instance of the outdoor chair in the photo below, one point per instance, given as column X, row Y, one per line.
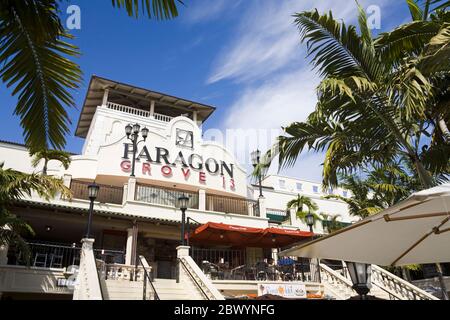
column 56, row 260
column 249, row 273
column 40, row 260
column 212, row 270
column 238, row 273
column 261, row 269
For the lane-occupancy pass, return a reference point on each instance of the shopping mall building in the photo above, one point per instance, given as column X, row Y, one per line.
column 136, row 225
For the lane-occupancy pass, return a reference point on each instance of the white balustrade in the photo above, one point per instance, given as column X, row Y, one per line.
column 162, row 117
column 397, row 286
column 138, row 112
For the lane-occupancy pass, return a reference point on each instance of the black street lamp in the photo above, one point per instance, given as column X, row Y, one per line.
column 309, row 218
column 256, row 160
column 360, row 273
column 310, row 221
column 93, row 189
column 132, row 132
column 183, row 203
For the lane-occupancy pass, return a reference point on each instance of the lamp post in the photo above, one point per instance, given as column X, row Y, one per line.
column 360, row 273
column 256, row 160
column 183, row 202
column 132, row 132
column 310, row 221
column 93, row 189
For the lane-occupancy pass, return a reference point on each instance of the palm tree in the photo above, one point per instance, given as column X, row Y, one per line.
column 377, row 98
column 330, row 222
column 14, row 185
column 47, row 155
column 35, row 61
column 299, row 205
column 381, row 188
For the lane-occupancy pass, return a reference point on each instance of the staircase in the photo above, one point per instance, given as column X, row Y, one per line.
column 123, row 282
column 385, row 285
column 124, row 290
column 169, row 289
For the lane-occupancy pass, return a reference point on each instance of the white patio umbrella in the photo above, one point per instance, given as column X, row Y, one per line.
column 415, row 231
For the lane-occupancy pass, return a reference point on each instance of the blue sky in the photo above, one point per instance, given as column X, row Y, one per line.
column 242, row 56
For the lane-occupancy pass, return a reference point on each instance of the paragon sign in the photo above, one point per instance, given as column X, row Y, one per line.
column 188, row 164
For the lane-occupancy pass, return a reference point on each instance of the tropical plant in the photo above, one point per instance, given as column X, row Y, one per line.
column 379, row 188
column 331, row 223
column 378, row 99
column 47, row 155
column 299, row 204
column 34, row 58
column 15, row 185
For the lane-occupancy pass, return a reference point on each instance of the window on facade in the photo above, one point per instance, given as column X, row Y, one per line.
column 299, row 186
column 282, row 184
column 315, row 189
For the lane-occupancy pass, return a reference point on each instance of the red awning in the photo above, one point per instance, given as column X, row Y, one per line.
column 224, row 234
column 278, row 237
column 239, row 236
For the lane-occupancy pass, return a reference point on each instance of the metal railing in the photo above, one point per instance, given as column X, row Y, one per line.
column 55, row 255
column 232, row 258
column 164, row 196
column 228, row 264
column 148, row 277
column 45, row 255
column 232, row 205
column 106, row 194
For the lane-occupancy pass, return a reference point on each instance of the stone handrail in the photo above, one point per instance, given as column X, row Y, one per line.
column 199, row 278
column 88, row 284
column 399, row 287
column 335, row 282
column 190, row 273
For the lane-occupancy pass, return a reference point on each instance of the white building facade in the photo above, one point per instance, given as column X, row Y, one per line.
column 138, row 215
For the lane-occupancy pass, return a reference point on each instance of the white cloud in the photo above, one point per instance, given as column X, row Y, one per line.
column 268, row 40
column 202, row 11
column 278, row 86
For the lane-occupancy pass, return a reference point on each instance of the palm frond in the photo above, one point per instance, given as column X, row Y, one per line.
column 159, row 9
column 35, row 65
column 415, row 10
column 337, row 50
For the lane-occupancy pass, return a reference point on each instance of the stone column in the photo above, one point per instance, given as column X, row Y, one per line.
column 202, row 199
column 152, row 109
column 182, row 251
column 131, row 189
column 262, row 207
column 125, row 193
column 105, row 97
column 129, row 248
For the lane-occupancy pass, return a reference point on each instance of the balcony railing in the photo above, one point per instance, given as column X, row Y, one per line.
column 56, row 255
column 138, row 112
column 232, row 205
column 164, row 196
column 106, row 194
